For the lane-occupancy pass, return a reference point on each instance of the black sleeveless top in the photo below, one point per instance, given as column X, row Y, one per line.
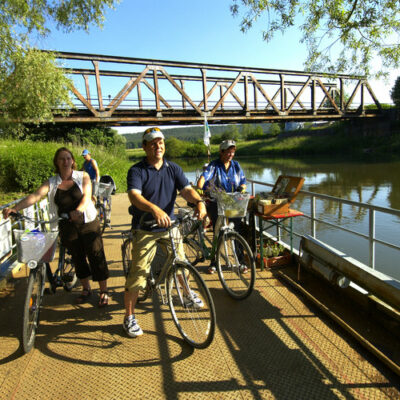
column 68, row 200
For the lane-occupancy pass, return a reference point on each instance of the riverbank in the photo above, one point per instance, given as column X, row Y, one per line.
column 318, row 142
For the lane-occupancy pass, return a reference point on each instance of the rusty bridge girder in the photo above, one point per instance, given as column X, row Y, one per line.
column 132, row 91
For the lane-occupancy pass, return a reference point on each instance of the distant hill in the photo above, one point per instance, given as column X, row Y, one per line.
column 186, row 133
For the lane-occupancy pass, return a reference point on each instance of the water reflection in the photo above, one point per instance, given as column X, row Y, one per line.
column 374, row 182
column 368, row 182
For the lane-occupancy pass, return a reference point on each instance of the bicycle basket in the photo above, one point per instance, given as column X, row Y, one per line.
column 232, row 205
column 35, row 246
column 187, row 224
column 109, row 179
column 105, row 189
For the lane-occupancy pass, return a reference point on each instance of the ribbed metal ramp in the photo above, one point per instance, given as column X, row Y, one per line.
column 269, row 346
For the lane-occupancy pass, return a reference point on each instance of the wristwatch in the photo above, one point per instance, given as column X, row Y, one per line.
column 200, row 201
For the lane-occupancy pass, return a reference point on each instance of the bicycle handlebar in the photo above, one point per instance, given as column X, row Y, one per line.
column 153, row 224
column 18, row 216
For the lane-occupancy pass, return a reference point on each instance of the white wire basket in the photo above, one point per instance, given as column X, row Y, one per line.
column 35, row 246
column 105, row 189
column 232, row 205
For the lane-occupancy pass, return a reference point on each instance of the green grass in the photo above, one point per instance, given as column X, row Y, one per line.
column 25, row 165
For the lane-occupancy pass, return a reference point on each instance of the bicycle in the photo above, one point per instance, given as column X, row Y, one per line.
column 37, row 249
column 232, row 254
column 103, row 204
column 181, row 287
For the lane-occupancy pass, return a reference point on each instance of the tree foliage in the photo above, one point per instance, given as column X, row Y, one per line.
column 31, row 85
column 340, row 35
column 395, row 93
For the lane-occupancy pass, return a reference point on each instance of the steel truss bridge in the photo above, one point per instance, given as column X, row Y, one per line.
column 132, row 91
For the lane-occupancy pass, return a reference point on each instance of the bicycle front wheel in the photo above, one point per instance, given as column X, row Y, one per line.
column 191, row 305
column 101, row 213
column 33, row 300
column 192, row 250
column 235, row 265
column 67, row 270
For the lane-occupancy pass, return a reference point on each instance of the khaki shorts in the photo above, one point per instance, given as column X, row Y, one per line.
column 144, row 247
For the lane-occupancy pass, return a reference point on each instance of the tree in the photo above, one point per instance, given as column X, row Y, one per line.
column 395, row 93
column 31, row 84
column 341, row 36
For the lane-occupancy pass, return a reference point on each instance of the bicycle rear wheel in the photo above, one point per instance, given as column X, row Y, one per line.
column 107, row 208
column 193, row 251
column 235, row 265
column 101, row 213
column 67, row 270
column 126, row 250
column 33, row 300
column 191, row 305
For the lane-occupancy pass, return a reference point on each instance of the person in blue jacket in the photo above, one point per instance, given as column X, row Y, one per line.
column 226, row 174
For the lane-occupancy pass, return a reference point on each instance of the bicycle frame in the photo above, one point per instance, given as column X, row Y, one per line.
column 222, row 226
column 156, row 282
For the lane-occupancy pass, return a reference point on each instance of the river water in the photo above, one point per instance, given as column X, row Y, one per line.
column 376, row 183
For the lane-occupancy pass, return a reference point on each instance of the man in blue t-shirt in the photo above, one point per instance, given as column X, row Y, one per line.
column 90, row 166
column 152, row 188
column 226, row 174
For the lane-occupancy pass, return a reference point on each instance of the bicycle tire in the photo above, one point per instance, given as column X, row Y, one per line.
column 32, row 304
column 193, row 251
column 126, row 250
column 195, row 324
column 144, row 293
column 101, row 214
column 107, row 207
column 233, row 255
column 67, row 270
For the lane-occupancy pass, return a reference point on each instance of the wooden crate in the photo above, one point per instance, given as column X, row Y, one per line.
column 270, row 209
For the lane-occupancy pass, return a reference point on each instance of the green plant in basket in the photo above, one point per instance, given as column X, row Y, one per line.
column 273, row 249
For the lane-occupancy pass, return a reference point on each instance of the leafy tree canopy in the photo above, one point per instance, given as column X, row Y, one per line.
column 26, row 73
column 340, row 35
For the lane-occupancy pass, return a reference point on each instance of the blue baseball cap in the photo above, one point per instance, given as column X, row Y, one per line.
column 85, row 152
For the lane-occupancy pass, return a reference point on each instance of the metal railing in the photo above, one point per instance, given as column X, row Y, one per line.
column 371, row 210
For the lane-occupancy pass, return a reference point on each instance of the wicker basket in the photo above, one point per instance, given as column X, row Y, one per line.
column 232, row 205
column 35, row 246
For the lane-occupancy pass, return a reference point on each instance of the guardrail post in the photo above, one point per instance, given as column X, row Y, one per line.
column 372, row 238
column 313, row 224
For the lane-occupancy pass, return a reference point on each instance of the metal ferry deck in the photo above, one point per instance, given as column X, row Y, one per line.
column 273, row 345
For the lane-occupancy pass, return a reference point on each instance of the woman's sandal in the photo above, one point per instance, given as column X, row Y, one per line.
column 103, row 299
column 84, row 296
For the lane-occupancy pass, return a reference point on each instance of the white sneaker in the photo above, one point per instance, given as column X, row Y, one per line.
column 193, row 300
column 131, row 326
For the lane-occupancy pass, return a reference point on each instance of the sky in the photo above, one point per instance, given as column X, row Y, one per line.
column 193, row 31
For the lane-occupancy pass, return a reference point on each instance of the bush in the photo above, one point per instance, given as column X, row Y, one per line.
column 25, row 166
column 275, row 130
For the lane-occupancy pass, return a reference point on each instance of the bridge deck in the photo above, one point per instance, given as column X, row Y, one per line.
column 272, row 345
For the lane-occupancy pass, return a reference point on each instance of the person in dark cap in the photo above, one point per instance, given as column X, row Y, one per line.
column 226, row 174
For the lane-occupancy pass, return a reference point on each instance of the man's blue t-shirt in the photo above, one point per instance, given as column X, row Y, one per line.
column 157, row 186
column 230, row 180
